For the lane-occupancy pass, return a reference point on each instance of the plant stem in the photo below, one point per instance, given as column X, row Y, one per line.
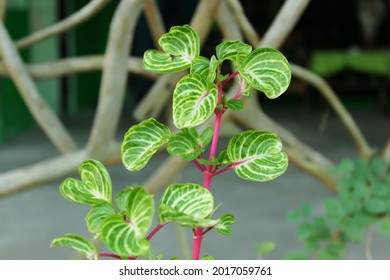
column 110, row 256
column 198, row 165
column 198, row 236
column 231, row 76
column 154, row 231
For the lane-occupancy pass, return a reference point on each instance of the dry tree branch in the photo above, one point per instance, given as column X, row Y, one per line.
column 283, row 23
column 75, row 65
column 38, row 107
column 155, row 21
column 112, row 88
column 241, row 19
column 332, row 98
column 3, row 9
column 85, row 13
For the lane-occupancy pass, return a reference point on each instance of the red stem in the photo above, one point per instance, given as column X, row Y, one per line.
column 154, row 231
column 110, row 256
column 231, row 76
column 198, row 165
column 198, row 236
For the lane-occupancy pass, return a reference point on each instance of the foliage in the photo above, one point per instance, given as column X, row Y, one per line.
column 124, row 224
column 362, row 201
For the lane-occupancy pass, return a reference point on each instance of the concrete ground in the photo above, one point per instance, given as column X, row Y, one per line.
column 29, row 220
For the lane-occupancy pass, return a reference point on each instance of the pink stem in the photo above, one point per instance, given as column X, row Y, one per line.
column 110, row 256
column 198, row 236
column 231, row 76
column 154, row 231
column 198, row 165
column 226, row 168
column 239, row 92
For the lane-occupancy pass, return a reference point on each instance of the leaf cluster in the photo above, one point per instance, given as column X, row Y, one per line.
column 362, row 201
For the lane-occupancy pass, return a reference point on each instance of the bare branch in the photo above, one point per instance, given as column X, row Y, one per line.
column 155, row 21
column 283, row 23
column 87, row 12
column 38, row 107
column 331, row 97
column 3, row 9
column 114, row 77
column 75, row 65
column 241, row 19
column 386, row 152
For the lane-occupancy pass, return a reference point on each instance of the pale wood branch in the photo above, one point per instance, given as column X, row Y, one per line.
column 156, row 98
column 283, row 23
column 331, row 97
column 242, row 20
column 77, row 18
column 3, row 9
column 76, row 65
column 38, row 107
column 386, row 152
column 112, row 88
column 155, row 21
column 52, row 169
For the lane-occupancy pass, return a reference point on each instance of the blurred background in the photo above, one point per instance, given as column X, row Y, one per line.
column 346, row 42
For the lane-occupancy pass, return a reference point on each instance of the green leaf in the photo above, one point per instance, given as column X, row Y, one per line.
column 265, row 247
column 180, row 46
column 224, row 224
column 123, row 238
column 97, row 215
column 78, row 243
column 141, row 141
column 235, row 104
column 94, row 187
column 126, row 237
column 214, row 63
column 381, row 189
column 189, row 204
column 233, row 50
column 207, row 258
column 121, row 199
column 201, row 66
column 384, row 226
column 223, row 157
column 183, row 145
column 375, row 206
column 267, row 70
column 140, row 209
column 191, row 131
column 297, row 255
column 206, row 136
column 194, row 101
column 207, row 162
column 305, row 231
column 257, row 155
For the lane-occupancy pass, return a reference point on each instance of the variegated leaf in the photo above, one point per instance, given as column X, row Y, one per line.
column 233, row 50
column 78, row 243
column 183, row 145
column 97, row 215
column 121, row 199
column 123, row 238
column 141, row 141
column 94, row 187
column 194, row 101
column 257, row 155
column 140, row 209
column 180, row 45
column 201, row 66
column 189, row 204
column 224, row 224
column 206, row 136
column 214, row 63
column 267, row 70
column 235, row 104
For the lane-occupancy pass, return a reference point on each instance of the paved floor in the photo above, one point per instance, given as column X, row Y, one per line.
column 31, row 219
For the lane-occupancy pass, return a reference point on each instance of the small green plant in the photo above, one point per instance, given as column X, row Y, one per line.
column 125, row 224
column 362, row 201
